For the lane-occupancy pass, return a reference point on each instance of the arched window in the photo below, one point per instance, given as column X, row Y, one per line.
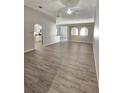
column 84, row 31
column 74, row 31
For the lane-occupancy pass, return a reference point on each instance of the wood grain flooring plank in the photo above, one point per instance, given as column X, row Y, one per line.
column 66, row 67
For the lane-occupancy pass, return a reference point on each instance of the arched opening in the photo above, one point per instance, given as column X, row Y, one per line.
column 38, row 35
column 84, row 31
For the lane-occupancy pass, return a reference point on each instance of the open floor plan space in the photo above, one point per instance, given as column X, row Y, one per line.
column 64, row 67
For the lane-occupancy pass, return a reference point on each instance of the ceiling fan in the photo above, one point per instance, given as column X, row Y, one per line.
column 70, row 7
column 70, row 3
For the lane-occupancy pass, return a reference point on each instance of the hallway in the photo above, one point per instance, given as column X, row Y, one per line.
column 66, row 67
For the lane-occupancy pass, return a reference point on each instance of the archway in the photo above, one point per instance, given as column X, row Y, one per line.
column 38, row 35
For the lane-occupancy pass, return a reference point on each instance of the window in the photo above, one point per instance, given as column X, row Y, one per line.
column 74, row 31
column 84, row 31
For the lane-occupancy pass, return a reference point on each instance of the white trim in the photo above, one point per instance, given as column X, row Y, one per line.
column 29, row 50
column 80, row 41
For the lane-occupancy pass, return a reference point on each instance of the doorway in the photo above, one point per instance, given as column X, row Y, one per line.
column 38, row 36
column 63, row 33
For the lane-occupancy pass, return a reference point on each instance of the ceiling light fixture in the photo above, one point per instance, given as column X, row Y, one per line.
column 69, row 11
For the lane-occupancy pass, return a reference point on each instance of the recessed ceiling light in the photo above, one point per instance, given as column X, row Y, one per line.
column 40, row 6
column 69, row 11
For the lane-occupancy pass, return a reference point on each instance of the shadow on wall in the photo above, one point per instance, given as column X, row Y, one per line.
column 96, row 40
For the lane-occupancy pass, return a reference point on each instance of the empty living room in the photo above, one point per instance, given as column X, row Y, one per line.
column 61, row 47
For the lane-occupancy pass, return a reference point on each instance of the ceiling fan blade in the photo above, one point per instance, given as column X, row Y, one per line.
column 70, row 3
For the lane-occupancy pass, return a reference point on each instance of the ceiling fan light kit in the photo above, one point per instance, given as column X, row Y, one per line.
column 69, row 6
column 69, row 11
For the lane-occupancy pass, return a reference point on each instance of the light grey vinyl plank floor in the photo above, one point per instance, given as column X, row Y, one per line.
column 66, row 67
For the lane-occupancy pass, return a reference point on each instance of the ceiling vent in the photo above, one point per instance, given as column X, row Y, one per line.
column 40, row 7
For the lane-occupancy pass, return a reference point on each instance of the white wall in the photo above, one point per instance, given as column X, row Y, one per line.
column 32, row 17
column 96, row 41
column 62, row 21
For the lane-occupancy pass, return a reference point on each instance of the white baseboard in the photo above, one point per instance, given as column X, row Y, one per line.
column 80, row 41
column 29, row 50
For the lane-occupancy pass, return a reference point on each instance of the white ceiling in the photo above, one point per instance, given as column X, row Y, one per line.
column 85, row 9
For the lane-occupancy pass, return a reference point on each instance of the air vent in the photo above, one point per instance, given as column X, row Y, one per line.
column 40, row 6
